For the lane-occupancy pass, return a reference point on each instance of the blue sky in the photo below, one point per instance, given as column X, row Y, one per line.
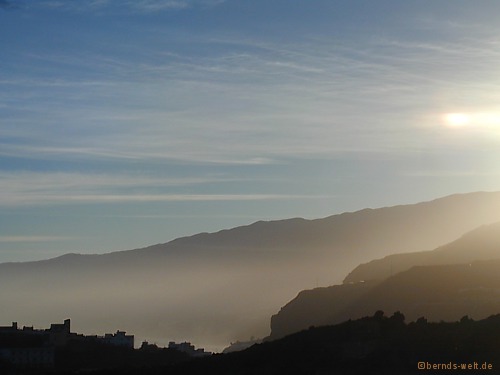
column 129, row 123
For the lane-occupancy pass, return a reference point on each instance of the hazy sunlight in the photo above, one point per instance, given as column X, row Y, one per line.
column 457, row 119
column 475, row 119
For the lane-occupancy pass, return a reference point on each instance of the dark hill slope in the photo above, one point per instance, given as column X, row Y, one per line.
column 482, row 243
column 371, row 345
column 444, row 292
column 329, row 305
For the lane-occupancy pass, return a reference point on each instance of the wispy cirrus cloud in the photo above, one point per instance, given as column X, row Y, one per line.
column 247, row 108
column 50, row 199
column 28, row 238
column 451, row 173
column 67, row 180
column 38, row 188
column 113, row 6
column 246, row 102
column 155, row 5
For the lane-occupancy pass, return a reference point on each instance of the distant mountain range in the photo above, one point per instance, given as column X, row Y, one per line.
column 220, row 287
column 461, row 278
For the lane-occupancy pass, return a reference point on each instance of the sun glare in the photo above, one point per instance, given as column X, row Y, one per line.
column 457, row 119
column 473, row 119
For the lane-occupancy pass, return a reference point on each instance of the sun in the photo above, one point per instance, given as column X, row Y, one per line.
column 456, row 120
column 477, row 120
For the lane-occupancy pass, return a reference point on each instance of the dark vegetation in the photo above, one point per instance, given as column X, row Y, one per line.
column 370, row 345
column 78, row 356
column 98, row 358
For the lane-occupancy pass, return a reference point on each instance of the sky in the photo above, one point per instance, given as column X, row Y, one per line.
column 129, row 123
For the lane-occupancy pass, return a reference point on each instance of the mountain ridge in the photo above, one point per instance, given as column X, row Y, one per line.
column 229, row 282
column 264, row 225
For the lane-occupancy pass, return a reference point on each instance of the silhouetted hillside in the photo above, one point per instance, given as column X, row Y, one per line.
column 480, row 244
column 316, row 307
column 444, row 292
column 228, row 282
column 371, row 345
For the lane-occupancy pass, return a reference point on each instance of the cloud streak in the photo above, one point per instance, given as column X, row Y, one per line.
column 37, row 188
column 115, row 6
column 271, row 101
column 36, row 239
column 277, row 106
column 37, row 199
